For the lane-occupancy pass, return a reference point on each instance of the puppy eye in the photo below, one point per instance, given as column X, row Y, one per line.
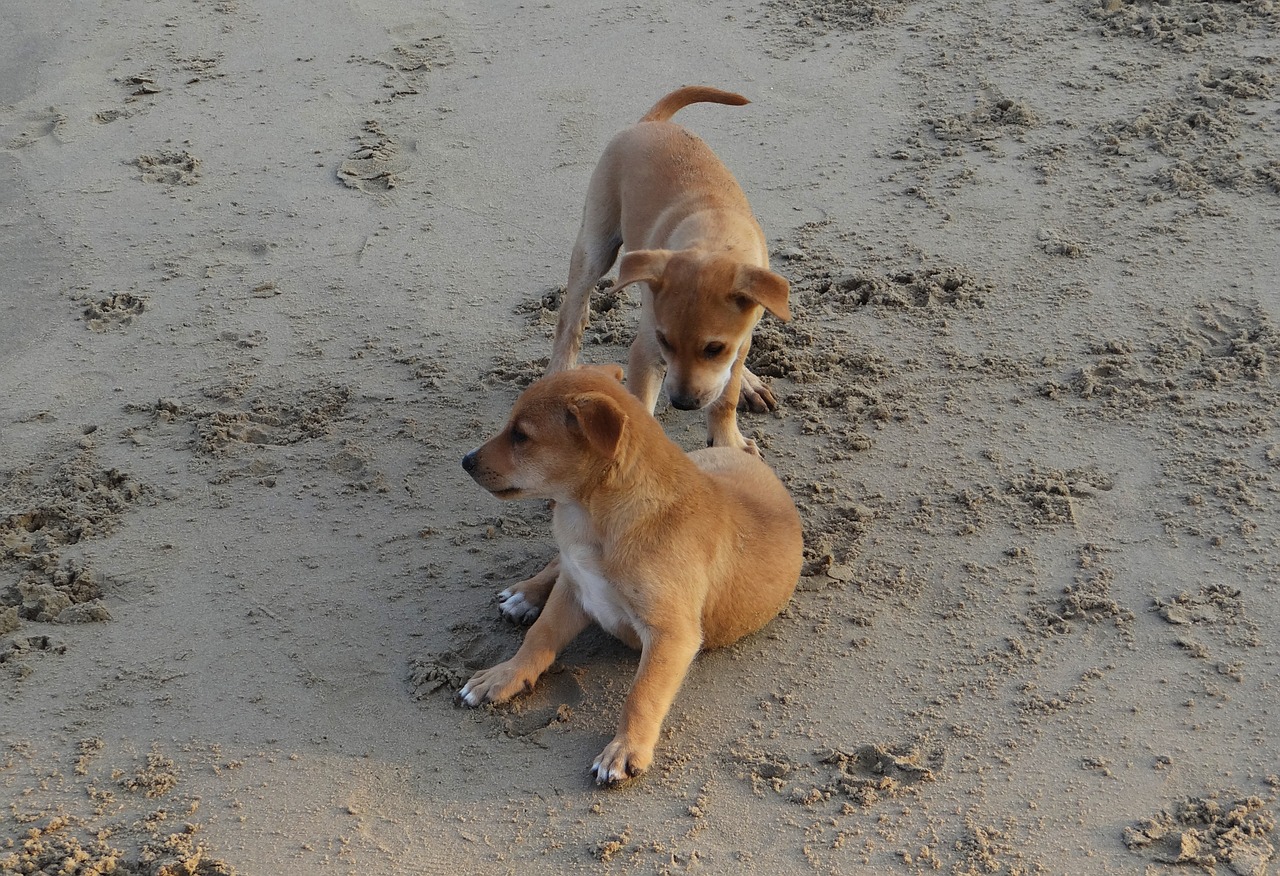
column 518, row 435
column 713, row 349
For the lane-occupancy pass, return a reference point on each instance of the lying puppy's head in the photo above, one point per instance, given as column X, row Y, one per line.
column 704, row 309
column 563, row 432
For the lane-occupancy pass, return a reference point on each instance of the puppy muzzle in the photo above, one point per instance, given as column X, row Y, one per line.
column 685, row 402
column 684, row 397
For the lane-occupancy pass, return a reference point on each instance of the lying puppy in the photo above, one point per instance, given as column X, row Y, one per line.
column 661, row 193
column 669, row 552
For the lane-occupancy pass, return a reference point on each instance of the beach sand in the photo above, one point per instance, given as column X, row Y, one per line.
column 271, row 269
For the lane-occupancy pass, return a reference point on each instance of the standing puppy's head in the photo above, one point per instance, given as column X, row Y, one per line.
column 563, row 433
column 704, row 310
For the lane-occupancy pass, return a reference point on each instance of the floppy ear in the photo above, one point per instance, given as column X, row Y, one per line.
column 600, row 420
column 642, row 264
column 764, row 287
column 610, row 368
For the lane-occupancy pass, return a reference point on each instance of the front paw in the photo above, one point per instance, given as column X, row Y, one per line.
column 514, row 606
column 496, row 684
column 755, row 396
column 746, row 444
column 620, row 761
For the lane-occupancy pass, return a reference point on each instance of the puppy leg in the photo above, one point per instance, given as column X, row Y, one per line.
column 560, row 622
column 645, row 367
column 755, row 395
column 664, row 662
column 522, row 601
column 722, row 415
column 597, row 246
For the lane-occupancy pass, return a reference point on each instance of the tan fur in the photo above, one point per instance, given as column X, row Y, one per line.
column 660, row 194
column 670, row 552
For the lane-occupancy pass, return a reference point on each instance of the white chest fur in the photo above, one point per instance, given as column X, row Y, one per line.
column 580, row 560
column 595, row 592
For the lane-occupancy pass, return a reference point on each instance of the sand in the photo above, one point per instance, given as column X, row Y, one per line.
column 270, row 269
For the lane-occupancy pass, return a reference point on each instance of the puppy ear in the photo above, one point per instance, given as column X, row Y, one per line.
column 611, row 369
column 600, row 420
column 764, row 287
column 642, row 264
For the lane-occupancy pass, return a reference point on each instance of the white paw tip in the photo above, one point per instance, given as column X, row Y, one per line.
column 606, row 776
column 517, row 607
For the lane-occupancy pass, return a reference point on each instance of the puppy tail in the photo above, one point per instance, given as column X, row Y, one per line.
column 677, row 100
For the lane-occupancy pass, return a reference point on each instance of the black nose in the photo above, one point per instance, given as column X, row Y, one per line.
column 469, row 461
column 685, row 402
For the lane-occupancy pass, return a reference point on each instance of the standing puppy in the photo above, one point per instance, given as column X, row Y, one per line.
column 669, row 552
column 690, row 237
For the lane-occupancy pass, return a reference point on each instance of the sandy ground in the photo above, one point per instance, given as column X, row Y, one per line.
column 270, row 268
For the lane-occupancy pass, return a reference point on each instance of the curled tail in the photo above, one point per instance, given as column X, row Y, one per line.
column 677, row 100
